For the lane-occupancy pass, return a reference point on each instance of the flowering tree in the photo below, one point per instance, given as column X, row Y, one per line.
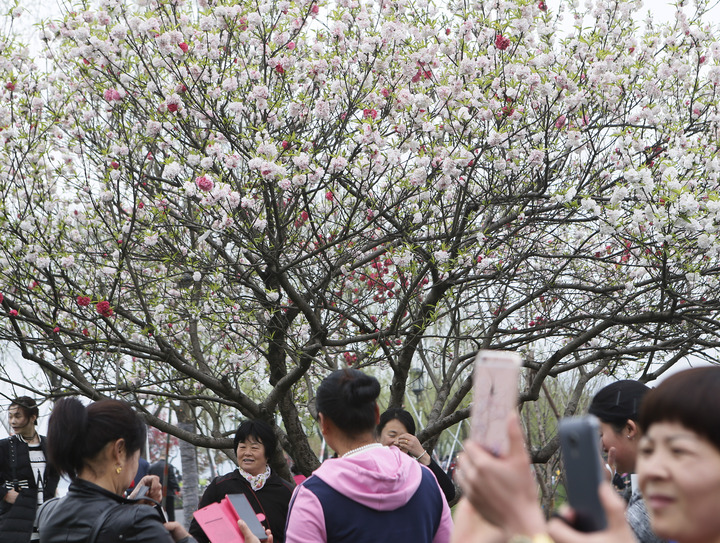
column 214, row 204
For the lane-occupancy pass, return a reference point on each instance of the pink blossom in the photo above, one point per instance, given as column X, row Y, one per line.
column 329, row 196
column 502, row 42
column 560, row 121
column 10, row 85
column 371, row 113
column 315, row 9
column 183, row 47
column 279, row 69
column 56, row 329
column 204, row 183
column 2, row 297
column 291, row 45
column 172, row 108
column 385, row 92
column 542, row 6
column 112, row 95
column 104, row 309
column 13, row 312
column 83, row 301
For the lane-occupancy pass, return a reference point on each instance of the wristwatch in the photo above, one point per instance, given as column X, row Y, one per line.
column 537, row 538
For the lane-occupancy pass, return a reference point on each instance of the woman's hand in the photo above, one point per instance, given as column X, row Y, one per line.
column 410, row 444
column 470, row 527
column 154, row 487
column 502, row 488
column 249, row 536
column 618, row 530
column 177, row 530
column 11, row 496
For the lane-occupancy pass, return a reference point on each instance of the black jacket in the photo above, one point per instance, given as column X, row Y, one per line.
column 16, row 520
column 71, row 520
column 158, row 468
column 446, row 484
column 272, row 500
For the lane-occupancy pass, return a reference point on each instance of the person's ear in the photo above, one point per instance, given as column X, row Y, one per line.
column 119, row 450
column 632, row 430
column 324, row 426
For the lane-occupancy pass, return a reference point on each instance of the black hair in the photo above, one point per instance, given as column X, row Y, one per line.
column 77, row 433
column 691, row 398
column 618, row 403
column 259, row 431
column 27, row 406
column 396, row 413
column 347, row 397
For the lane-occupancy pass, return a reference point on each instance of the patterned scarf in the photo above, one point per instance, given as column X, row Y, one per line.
column 256, row 481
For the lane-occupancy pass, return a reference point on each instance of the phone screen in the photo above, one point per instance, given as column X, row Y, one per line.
column 246, row 512
column 495, row 392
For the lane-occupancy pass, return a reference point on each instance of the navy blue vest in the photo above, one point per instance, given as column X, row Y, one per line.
column 347, row 521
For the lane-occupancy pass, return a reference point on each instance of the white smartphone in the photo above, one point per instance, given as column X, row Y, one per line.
column 495, row 395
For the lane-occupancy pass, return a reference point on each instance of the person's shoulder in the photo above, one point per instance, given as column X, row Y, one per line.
column 140, row 519
column 276, row 480
column 133, row 514
column 229, row 478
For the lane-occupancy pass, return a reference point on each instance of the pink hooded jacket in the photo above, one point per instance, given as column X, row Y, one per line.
column 382, row 479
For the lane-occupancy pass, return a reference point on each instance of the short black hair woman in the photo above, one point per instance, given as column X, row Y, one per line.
column 267, row 492
column 98, row 447
column 678, row 467
column 397, row 428
column 26, row 479
column 369, row 493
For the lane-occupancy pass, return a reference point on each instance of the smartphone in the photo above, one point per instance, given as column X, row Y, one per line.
column 495, row 395
column 583, row 465
column 247, row 513
column 141, row 492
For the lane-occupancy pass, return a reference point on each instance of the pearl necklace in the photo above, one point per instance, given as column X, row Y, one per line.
column 363, row 448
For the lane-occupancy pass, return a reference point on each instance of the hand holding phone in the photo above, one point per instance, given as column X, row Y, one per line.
column 584, row 470
column 495, row 395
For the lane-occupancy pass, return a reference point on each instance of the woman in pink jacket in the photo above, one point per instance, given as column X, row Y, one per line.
column 369, row 493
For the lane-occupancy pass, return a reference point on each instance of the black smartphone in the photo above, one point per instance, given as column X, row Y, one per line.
column 583, row 466
column 247, row 513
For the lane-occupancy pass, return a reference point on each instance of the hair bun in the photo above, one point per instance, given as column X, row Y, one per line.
column 362, row 389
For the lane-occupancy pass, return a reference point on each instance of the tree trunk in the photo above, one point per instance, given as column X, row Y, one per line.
column 188, row 459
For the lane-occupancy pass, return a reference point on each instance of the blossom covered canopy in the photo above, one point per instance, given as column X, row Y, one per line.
column 226, row 200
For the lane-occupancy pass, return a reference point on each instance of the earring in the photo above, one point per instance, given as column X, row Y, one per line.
column 118, row 469
column 629, row 437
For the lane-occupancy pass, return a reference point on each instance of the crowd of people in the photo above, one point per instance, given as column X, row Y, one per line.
column 662, row 447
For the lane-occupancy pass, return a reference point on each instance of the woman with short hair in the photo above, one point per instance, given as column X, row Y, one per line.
column 268, row 493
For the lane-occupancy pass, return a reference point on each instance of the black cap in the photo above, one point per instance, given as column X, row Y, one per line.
column 618, row 402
